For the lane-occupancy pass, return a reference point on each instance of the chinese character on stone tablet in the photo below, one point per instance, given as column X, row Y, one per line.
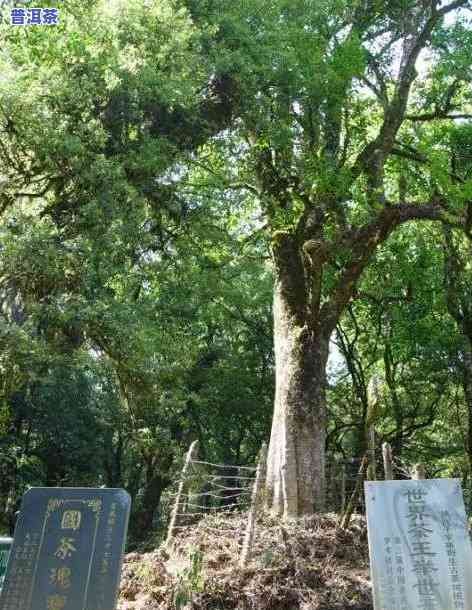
column 431, row 568
column 71, row 520
column 63, row 539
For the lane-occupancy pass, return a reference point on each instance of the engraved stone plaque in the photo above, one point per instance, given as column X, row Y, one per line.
column 5, row 545
column 67, row 550
column 420, row 550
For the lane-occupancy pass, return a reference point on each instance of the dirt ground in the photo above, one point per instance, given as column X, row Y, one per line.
column 307, row 565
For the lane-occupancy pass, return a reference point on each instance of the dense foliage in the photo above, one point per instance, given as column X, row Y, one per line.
column 153, row 155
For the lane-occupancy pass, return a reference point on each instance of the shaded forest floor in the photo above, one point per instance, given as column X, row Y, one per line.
column 308, row 565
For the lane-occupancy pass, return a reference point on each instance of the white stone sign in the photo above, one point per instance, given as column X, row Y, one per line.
column 420, row 550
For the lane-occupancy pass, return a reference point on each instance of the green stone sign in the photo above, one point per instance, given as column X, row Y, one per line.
column 67, row 550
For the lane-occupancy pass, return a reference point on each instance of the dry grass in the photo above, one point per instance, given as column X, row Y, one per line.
column 305, row 565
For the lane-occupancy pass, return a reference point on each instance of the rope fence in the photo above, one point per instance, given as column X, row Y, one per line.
column 342, row 476
column 207, row 488
column 211, row 489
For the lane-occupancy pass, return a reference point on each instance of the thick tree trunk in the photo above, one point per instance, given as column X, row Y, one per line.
column 467, row 384
column 153, row 488
column 296, row 459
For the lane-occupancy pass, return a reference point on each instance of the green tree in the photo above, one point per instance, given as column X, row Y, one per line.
column 331, row 142
column 313, row 113
column 399, row 331
column 457, row 281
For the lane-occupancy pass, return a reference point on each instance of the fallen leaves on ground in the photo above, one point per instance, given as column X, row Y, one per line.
column 309, row 564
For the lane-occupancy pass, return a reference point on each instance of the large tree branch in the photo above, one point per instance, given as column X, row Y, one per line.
column 371, row 159
column 431, row 116
column 380, row 91
column 443, row 109
column 362, row 243
column 410, row 153
column 453, row 6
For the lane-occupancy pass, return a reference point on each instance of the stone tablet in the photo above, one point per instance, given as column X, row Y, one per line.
column 5, row 545
column 67, row 550
column 420, row 551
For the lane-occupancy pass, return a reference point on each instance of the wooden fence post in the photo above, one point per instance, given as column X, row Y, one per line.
column 387, row 461
column 255, row 504
column 175, row 511
column 373, row 400
column 262, row 467
column 418, row 472
column 357, row 491
column 371, row 469
column 343, row 487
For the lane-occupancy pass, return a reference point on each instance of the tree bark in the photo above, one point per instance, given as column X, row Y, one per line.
column 397, row 407
column 467, row 384
column 388, row 462
column 296, row 462
column 153, row 488
column 154, row 484
column 305, row 315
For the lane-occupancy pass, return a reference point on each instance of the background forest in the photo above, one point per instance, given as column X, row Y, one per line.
column 136, row 271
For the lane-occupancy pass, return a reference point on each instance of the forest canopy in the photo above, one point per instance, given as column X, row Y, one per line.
column 220, row 217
